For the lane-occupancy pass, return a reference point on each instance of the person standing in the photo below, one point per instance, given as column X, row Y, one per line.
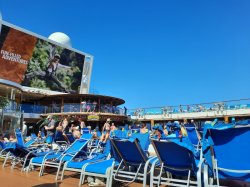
column 94, row 104
column 83, row 106
column 50, row 126
column 125, row 110
column 50, row 129
column 24, row 129
column 82, row 125
column 106, row 131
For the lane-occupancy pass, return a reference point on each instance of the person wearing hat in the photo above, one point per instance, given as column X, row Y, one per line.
column 50, row 72
column 106, row 131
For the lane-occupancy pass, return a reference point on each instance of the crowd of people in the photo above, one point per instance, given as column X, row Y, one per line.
column 66, row 125
column 76, row 126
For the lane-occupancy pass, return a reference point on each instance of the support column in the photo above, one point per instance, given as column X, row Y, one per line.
column 152, row 123
column 99, row 103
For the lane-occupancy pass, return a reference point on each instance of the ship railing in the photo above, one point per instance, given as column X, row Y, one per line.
column 71, row 108
column 192, row 108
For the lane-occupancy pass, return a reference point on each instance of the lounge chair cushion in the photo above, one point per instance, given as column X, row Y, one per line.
column 99, row 167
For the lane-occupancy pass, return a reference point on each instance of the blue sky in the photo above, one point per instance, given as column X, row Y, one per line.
column 152, row 53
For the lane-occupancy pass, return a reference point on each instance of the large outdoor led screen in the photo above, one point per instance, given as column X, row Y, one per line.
column 34, row 62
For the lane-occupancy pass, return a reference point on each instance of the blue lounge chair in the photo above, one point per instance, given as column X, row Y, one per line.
column 177, row 158
column 135, row 130
column 85, row 130
column 70, row 137
column 77, row 165
column 91, row 143
column 193, row 135
column 19, row 152
column 119, row 134
column 101, row 168
column 49, row 138
column 86, row 136
column 144, row 140
column 20, row 140
column 174, row 128
column 5, row 148
column 22, row 155
column 132, row 156
column 226, row 149
column 33, row 136
column 57, row 159
column 104, row 168
column 61, row 140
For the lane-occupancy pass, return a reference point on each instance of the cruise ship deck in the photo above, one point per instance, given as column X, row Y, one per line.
column 16, row 178
column 54, row 125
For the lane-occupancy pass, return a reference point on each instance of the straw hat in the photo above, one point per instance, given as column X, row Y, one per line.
column 108, row 120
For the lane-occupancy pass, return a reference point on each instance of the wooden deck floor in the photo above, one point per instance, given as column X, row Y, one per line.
column 16, row 178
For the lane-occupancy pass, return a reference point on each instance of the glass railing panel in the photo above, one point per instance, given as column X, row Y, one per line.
column 30, row 108
column 70, row 107
column 12, row 106
column 203, row 107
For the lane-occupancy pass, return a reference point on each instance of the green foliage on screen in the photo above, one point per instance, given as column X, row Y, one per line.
column 3, row 102
column 70, row 78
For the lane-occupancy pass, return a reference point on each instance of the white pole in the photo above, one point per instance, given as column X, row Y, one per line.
column 86, row 75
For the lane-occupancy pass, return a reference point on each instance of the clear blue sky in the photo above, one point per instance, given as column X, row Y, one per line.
column 152, row 53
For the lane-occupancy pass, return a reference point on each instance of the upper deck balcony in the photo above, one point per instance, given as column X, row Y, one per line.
column 76, row 104
column 232, row 108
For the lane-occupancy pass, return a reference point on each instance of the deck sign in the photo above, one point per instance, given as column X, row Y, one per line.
column 93, row 118
column 36, row 62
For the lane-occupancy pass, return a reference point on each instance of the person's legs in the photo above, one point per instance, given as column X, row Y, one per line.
column 106, row 137
column 102, row 137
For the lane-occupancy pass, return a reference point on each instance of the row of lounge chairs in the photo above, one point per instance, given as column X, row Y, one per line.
column 223, row 153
